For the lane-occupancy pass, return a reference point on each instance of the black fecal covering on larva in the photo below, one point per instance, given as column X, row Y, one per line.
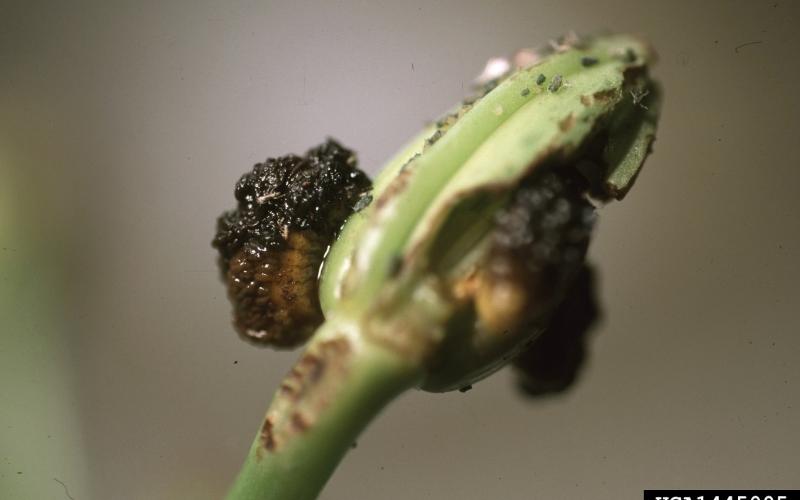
column 536, row 248
column 538, row 243
column 547, row 226
column 313, row 192
column 271, row 246
column 553, row 362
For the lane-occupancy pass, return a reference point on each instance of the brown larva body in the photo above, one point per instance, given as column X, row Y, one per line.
column 274, row 293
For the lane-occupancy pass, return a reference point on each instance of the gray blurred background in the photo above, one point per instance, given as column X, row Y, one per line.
column 124, row 125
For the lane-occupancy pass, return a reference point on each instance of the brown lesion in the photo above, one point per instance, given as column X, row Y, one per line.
column 508, row 295
column 305, row 393
column 308, row 367
column 605, row 95
column 537, row 242
column 567, row 123
column 300, row 422
column 464, row 287
column 406, row 338
column 266, row 436
column 409, row 327
column 397, row 186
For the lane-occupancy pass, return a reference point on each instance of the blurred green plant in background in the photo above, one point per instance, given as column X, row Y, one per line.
column 42, row 455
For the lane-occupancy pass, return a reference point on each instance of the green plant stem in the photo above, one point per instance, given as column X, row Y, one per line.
column 336, row 396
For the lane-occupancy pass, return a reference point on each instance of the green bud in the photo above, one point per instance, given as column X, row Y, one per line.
column 430, row 227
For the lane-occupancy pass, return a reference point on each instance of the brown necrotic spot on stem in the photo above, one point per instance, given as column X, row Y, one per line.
column 305, row 393
column 308, row 369
column 299, row 422
column 266, row 436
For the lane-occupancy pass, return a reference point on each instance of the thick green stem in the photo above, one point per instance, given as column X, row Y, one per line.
column 339, row 384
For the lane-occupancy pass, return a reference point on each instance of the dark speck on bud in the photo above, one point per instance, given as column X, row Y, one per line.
column 362, row 202
column 555, row 84
column 525, row 92
column 627, row 55
column 434, row 137
column 587, row 61
column 540, row 79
